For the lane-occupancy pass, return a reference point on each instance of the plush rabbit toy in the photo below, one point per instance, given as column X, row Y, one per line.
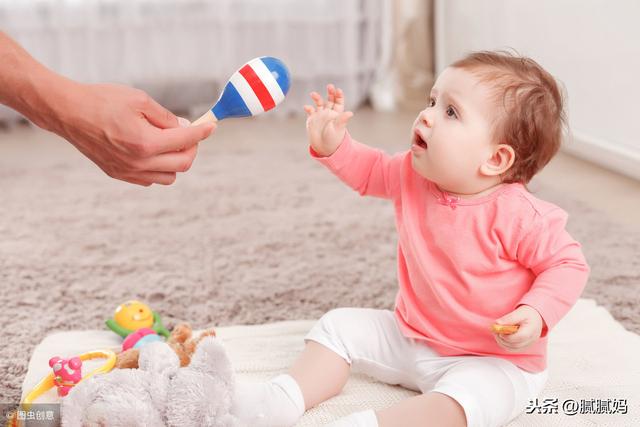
column 159, row 392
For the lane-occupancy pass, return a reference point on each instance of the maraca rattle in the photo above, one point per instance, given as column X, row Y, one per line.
column 258, row 86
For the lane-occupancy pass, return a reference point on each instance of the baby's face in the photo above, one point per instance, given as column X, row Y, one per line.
column 452, row 136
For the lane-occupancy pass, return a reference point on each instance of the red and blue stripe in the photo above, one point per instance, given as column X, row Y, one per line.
column 258, row 86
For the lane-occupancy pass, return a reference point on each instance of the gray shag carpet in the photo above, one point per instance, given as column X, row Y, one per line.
column 255, row 232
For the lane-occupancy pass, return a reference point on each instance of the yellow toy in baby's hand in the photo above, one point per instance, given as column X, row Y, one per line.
column 134, row 315
column 504, row 329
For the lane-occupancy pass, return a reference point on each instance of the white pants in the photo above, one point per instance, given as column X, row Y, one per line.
column 491, row 390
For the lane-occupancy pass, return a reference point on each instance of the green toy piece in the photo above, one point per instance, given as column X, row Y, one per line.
column 133, row 315
column 124, row 332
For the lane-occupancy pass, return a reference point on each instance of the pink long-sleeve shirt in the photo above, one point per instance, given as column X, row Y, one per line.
column 463, row 263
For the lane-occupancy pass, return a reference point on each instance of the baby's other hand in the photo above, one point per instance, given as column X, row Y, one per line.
column 327, row 121
column 530, row 325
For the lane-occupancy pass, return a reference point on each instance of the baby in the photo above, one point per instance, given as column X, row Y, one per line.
column 475, row 249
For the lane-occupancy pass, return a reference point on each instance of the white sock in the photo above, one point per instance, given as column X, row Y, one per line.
column 274, row 403
column 357, row 419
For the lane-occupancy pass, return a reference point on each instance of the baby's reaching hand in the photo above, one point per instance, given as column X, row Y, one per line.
column 327, row 122
column 529, row 324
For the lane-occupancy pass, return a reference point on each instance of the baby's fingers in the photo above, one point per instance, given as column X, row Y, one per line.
column 317, row 99
column 517, row 339
column 514, row 339
column 342, row 119
column 339, row 100
column 309, row 110
column 331, row 96
column 505, row 344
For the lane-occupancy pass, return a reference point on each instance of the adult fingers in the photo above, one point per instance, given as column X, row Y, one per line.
column 147, row 178
column 178, row 139
column 177, row 161
column 182, row 122
column 157, row 115
column 137, row 181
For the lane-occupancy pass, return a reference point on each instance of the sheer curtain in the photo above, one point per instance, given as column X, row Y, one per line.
column 406, row 73
column 183, row 52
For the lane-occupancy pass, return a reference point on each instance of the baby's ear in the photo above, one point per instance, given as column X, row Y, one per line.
column 501, row 160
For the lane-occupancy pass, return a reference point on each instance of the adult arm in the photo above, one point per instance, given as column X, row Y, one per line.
column 121, row 129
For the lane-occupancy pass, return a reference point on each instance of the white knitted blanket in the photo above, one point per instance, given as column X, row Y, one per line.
column 593, row 365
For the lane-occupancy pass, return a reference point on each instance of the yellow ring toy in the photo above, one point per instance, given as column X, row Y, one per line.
column 47, row 382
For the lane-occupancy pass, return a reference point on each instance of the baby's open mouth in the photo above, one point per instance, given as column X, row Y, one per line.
column 419, row 141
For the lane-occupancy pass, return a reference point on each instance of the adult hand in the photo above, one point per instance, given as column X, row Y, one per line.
column 126, row 133
column 121, row 129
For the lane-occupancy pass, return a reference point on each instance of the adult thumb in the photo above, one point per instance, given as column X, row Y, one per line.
column 159, row 116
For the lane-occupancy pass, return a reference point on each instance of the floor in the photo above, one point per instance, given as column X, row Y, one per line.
column 208, row 251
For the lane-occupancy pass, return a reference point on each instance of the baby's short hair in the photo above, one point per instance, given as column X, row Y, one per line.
column 531, row 118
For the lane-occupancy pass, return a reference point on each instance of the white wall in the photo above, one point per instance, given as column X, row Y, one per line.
column 592, row 46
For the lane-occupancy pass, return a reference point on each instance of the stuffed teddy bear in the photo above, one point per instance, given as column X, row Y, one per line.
column 180, row 340
column 159, row 393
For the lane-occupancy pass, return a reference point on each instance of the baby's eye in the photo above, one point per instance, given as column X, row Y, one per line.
column 432, row 102
column 451, row 112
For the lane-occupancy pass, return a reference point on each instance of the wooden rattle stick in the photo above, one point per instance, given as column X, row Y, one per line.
column 258, row 86
column 504, row 329
column 207, row 117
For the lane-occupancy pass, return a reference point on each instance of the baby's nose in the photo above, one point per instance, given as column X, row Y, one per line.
column 424, row 119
